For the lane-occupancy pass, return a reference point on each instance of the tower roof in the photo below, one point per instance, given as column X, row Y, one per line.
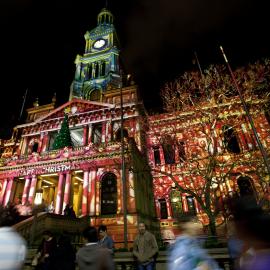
column 105, row 17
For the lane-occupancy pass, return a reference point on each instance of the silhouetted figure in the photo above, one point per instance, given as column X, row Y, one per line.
column 67, row 210
column 72, row 212
column 64, row 256
column 91, row 256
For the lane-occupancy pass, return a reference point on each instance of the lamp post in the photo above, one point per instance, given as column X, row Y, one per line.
column 123, row 169
column 37, row 202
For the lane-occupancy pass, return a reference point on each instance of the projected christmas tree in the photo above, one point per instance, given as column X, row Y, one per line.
column 63, row 139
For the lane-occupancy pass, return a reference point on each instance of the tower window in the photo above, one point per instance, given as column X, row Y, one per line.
column 97, row 70
column 109, row 194
column 103, row 69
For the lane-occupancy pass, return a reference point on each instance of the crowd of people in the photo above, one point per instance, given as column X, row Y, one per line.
column 248, row 244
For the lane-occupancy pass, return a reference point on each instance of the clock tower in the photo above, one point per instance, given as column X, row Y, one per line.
column 99, row 65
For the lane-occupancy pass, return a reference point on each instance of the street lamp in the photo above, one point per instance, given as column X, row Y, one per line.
column 37, row 203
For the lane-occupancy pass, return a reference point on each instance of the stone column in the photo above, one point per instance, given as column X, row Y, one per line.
column 103, row 136
column 67, row 190
column 185, row 205
column 85, row 135
column 58, row 208
column 93, row 192
column 45, row 142
column 4, row 187
column 90, row 133
column 85, row 193
column 158, row 208
column 8, row 191
column 26, row 189
column 169, row 209
column 32, row 189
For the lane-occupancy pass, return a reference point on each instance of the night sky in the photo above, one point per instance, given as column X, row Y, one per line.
column 41, row 38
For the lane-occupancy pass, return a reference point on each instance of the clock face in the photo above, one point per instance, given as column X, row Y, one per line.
column 99, row 43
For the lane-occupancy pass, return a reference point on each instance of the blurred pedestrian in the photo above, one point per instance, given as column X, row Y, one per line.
column 91, row 256
column 64, row 256
column 104, row 239
column 12, row 245
column 186, row 253
column 46, row 251
column 145, row 248
column 252, row 227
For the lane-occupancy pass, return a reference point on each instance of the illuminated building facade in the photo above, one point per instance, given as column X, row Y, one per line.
column 89, row 176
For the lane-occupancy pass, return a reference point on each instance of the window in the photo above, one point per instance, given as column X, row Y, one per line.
column 77, row 136
column 52, row 136
column 97, row 70
column 176, row 203
column 103, row 68
column 168, row 150
column 163, row 209
column 35, row 147
column 230, row 140
column 97, row 133
column 156, row 155
column 182, row 152
column 95, row 95
column 108, row 194
column 118, row 134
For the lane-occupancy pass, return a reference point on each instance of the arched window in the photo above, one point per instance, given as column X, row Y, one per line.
column 168, row 150
column 118, row 134
column 245, row 186
column 108, row 194
column 267, row 116
column 230, row 140
column 35, row 147
column 95, row 95
column 163, row 209
column 176, row 203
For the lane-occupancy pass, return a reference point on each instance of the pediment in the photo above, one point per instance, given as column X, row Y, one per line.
column 75, row 107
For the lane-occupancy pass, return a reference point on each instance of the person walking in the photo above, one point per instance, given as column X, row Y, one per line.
column 145, row 249
column 12, row 245
column 186, row 253
column 92, row 256
column 46, row 251
column 105, row 240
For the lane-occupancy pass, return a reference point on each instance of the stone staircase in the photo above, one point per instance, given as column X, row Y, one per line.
column 32, row 228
